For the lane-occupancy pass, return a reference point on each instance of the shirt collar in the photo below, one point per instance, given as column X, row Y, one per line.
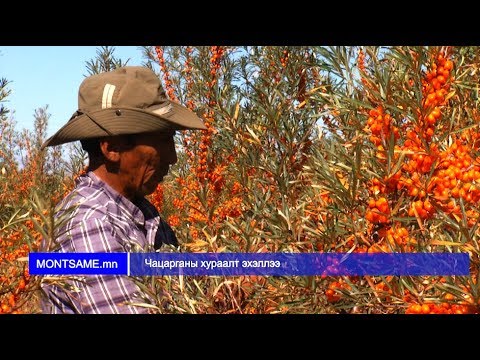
column 134, row 212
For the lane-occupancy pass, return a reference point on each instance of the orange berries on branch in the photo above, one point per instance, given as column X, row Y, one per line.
column 414, row 177
column 157, row 197
column 379, row 124
column 435, row 87
column 333, row 291
column 166, row 74
column 378, row 211
column 361, row 67
column 441, row 308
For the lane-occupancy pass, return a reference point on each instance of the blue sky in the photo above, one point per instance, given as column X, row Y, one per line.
column 49, row 75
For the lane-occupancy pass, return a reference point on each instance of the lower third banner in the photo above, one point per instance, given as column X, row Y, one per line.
column 232, row 264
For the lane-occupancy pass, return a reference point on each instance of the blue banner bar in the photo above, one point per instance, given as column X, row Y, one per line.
column 234, row 264
column 287, row 264
column 78, row 263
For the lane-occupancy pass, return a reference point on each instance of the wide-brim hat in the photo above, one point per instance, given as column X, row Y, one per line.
column 127, row 100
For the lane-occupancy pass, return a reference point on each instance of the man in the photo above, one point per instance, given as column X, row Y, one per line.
column 126, row 125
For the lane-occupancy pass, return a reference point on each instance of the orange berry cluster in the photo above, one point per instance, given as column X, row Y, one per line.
column 157, row 197
column 381, row 129
column 378, row 211
column 414, row 176
column 333, row 294
column 166, row 74
column 215, row 59
column 361, row 66
column 450, row 304
column 173, row 220
column 188, row 76
column 395, row 236
column 399, row 235
column 361, row 61
column 379, row 124
column 204, row 165
column 435, row 87
column 189, row 138
column 17, row 284
column 458, row 174
column 419, row 158
column 443, row 308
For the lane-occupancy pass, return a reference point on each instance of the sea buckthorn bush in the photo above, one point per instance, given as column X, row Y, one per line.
column 307, row 149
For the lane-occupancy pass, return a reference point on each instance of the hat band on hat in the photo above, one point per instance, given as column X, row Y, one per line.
column 108, row 91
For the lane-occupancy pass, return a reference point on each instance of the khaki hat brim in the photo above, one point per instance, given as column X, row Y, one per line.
column 123, row 121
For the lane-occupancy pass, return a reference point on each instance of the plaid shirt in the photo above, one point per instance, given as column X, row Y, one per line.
column 104, row 221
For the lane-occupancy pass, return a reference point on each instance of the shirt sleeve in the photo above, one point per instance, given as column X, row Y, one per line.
column 99, row 294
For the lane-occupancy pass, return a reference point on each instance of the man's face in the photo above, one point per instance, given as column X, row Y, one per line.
column 143, row 167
